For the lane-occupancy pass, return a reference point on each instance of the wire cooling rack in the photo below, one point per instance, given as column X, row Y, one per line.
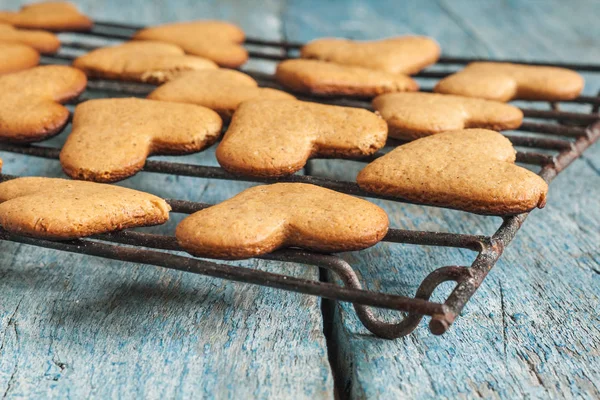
column 560, row 139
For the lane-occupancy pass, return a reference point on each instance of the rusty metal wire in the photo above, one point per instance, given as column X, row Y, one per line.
column 563, row 137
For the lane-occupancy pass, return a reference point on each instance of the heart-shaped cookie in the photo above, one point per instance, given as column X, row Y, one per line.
column 151, row 62
column 111, row 138
column 16, row 57
column 414, row 115
column 218, row 41
column 30, row 108
column 48, row 15
column 326, row 78
column 62, row 209
column 276, row 137
column 221, row 90
column 401, row 54
column 265, row 218
column 42, row 41
column 471, row 170
column 505, row 82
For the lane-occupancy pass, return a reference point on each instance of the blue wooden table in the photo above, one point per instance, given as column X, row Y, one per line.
column 73, row 326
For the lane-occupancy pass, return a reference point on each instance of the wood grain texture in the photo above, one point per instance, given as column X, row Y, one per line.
column 73, row 326
column 533, row 329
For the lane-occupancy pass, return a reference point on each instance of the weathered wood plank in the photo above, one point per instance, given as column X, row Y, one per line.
column 73, row 326
column 506, row 344
column 533, row 328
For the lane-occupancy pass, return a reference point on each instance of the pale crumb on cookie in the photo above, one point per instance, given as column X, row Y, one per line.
column 150, row 62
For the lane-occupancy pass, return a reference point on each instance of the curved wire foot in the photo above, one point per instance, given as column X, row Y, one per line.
column 440, row 323
column 395, row 330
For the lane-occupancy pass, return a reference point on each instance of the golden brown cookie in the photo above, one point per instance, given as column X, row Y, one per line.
column 414, row 115
column 62, row 209
column 505, row 82
column 221, row 90
column 326, row 78
column 471, row 170
column 266, row 218
column 216, row 40
column 42, row 41
column 401, row 54
column 111, row 138
column 151, row 62
column 30, row 108
column 48, row 15
column 276, row 137
column 16, row 57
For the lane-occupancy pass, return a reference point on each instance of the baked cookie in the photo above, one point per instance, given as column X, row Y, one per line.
column 30, row 108
column 221, row 90
column 471, row 170
column 151, row 62
column 219, row 41
column 505, row 82
column 62, row 209
column 414, row 115
column 111, row 138
column 276, row 137
column 326, row 78
column 16, row 57
column 266, row 218
column 48, row 15
column 42, row 41
column 401, row 54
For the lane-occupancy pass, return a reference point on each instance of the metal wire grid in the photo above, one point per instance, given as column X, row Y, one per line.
column 563, row 141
